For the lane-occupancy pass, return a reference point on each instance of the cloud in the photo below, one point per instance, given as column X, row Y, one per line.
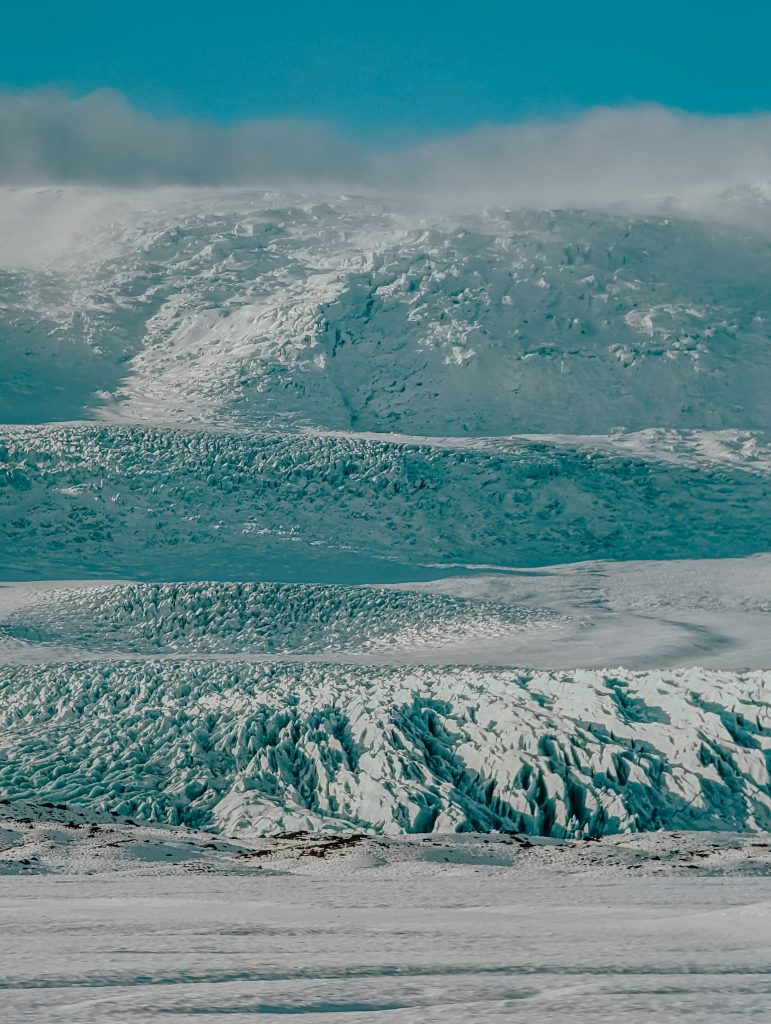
column 634, row 155
column 46, row 137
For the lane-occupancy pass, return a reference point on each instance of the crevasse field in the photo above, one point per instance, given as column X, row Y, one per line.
column 384, row 610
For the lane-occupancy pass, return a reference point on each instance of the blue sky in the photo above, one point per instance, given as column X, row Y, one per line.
column 393, row 71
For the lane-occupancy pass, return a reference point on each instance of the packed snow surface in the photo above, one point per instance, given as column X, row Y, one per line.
column 107, row 921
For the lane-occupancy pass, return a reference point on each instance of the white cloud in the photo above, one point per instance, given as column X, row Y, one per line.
column 45, row 137
column 633, row 155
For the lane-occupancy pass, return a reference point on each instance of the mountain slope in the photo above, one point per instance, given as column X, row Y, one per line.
column 352, row 313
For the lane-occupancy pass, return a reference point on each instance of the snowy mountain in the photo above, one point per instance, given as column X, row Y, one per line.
column 357, row 506
column 253, row 308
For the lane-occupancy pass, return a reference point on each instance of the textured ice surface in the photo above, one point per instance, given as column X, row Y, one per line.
column 235, row 747
column 259, row 618
column 242, row 352
column 714, row 614
column 100, row 501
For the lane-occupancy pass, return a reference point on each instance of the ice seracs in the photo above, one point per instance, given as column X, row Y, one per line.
column 170, row 504
column 259, row 748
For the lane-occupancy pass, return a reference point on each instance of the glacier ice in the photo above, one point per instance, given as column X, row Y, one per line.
column 283, row 746
column 369, row 501
column 176, row 504
column 258, row 618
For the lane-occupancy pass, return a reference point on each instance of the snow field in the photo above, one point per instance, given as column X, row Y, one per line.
column 108, row 921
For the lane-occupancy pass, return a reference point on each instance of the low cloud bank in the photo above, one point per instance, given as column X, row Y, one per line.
column 633, row 155
column 45, row 137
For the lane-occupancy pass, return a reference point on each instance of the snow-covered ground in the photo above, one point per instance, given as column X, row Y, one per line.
column 107, row 921
column 378, row 592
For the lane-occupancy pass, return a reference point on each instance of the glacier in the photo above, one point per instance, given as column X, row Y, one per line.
column 269, row 747
column 366, row 563
column 335, row 444
column 166, row 504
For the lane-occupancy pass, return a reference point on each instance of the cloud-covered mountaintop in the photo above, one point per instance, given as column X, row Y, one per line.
column 637, row 155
